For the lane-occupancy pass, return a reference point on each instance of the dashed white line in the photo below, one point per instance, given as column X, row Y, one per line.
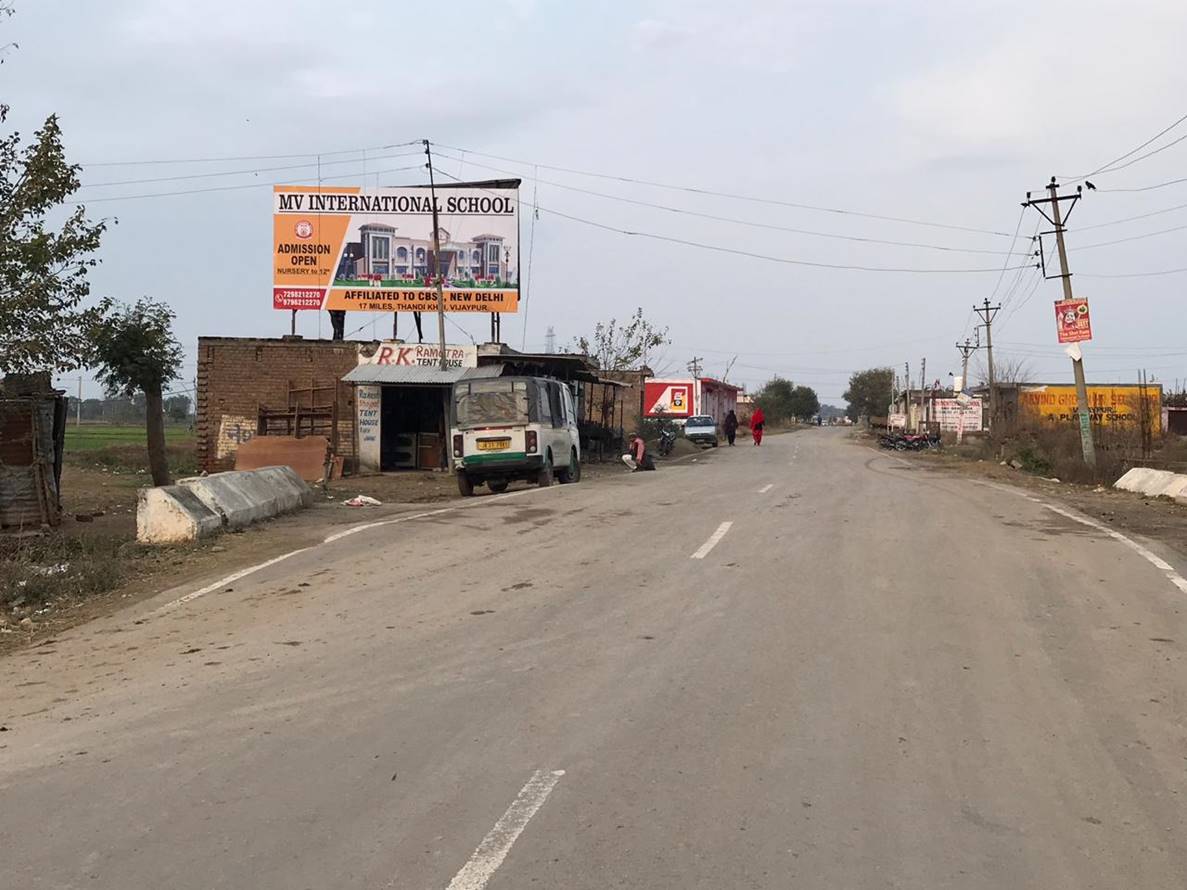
column 489, row 855
column 766, row 488
column 714, row 540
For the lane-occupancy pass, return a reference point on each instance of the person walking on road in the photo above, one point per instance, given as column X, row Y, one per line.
column 731, row 427
column 757, row 420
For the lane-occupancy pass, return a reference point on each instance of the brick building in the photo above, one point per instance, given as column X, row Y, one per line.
column 237, row 376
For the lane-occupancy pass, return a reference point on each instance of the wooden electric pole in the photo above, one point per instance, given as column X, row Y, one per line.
column 1057, row 219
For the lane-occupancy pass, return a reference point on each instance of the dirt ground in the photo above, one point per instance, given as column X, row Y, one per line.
column 106, row 499
column 1158, row 519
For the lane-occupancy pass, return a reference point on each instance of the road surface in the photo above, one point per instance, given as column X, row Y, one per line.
column 805, row 665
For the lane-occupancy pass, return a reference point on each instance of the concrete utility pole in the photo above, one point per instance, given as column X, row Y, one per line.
column 694, row 366
column 922, row 390
column 437, row 261
column 1057, row 220
column 907, row 397
column 988, row 313
column 966, row 349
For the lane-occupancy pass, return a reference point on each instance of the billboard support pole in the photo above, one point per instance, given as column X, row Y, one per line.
column 1057, row 220
column 293, row 324
column 437, row 261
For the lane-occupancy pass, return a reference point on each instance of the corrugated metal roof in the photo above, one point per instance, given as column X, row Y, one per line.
column 418, row 374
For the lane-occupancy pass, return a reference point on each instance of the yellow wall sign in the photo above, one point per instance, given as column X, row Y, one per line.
column 1119, row 404
column 375, row 251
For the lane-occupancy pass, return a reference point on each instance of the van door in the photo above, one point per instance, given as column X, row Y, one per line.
column 571, row 420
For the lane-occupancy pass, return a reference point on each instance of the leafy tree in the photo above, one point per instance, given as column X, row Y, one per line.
column 777, row 399
column 619, row 347
column 43, row 268
column 178, row 408
column 804, row 403
column 869, row 392
column 135, row 350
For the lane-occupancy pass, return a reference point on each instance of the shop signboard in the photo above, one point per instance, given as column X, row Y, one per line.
column 1072, row 321
column 668, row 398
column 345, row 248
column 426, row 355
column 1115, row 404
column 958, row 415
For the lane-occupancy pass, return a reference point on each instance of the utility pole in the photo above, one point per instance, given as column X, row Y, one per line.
column 694, row 366
column 437, row 261
column 550, row 340
column 966, row 349
column 922, row 390
column 78, row 407
column 907, row 397
column 988, row 313
column 1057, row 220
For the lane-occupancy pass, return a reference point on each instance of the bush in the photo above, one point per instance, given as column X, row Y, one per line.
column 33, row 573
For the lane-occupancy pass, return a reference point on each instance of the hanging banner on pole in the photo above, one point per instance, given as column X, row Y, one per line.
column 1072, row 321
column 372, row 251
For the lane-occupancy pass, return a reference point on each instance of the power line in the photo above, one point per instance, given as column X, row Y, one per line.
column 745, row 222
column 1147, row 188
column 210, row 160
column 746, row 253
column 1110, row 168
column 1132, row 274
column 736, row 197
column 1131, row 238
column 232, row 188
column 1117, row 222
column 90, row 185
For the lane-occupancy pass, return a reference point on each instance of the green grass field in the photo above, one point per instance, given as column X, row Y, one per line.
column 95, row 436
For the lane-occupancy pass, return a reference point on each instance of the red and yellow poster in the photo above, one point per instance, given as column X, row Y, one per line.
column 1072, row 321
column 374, row 251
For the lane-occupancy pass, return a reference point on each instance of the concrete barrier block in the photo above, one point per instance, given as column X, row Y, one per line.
column 242, row 497
column 173, row 514
column 1144, row 480
column 1177, row 489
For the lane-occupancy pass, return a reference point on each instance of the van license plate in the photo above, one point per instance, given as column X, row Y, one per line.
column 494, row 444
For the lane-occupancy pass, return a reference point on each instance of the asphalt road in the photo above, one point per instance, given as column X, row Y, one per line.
column 876, row 676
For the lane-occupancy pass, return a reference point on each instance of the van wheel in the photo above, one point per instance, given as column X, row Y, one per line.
column 544, row 477
column 465, row 485
column 498, row 486
column 571, row 473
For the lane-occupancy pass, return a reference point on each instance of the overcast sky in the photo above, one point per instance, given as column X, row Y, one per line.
column 939, row 112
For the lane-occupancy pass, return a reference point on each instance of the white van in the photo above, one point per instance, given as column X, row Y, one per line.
column 507, row 428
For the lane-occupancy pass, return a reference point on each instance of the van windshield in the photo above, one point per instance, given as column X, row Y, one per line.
column 492, row 403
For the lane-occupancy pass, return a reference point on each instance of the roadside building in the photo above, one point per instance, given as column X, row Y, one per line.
column 32, row 436
column 679, row 399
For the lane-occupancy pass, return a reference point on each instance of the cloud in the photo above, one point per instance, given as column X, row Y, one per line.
column 652, row 34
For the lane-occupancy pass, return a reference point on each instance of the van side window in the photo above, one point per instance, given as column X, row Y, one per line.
column 544, row 402
column 558, row 408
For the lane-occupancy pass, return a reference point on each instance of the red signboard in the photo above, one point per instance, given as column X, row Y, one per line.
column 1072, row 321
column 297, row 297
column 667, row 398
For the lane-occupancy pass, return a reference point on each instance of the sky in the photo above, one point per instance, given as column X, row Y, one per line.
column 944, row 114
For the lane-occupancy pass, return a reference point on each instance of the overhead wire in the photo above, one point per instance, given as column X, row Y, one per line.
column 244, row 172
column 1146, row 188
column 635, row 233
column 730, row 195
column 232, row 188
column 1117, row 222
column 1109, row 167
column 225, row 158
column 745, row 222
column 1141, row 237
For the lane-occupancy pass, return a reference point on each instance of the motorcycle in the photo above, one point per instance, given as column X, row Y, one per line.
column 667, row 441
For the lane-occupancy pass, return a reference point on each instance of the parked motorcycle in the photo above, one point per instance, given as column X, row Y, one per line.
column 667, row 441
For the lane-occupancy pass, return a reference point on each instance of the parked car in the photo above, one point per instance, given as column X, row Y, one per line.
column 701, row 429
column 508, row 428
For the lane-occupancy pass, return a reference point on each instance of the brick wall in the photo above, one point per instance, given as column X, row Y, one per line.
column 236, row 376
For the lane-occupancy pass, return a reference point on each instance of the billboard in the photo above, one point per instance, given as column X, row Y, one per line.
column 669, row 398
column 948, row 413
column 1110, row 404
column 372, row 251
column 1072, row 321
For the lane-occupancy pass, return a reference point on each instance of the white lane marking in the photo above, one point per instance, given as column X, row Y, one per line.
column 489, row 855
column 766, row 488
column 329, row 539
column 714, row 540
column 1150, row 556
column 223, row 582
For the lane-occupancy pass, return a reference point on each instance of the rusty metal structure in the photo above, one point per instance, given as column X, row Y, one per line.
column 32, row 435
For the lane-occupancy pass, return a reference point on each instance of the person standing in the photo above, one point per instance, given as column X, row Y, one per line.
column 731, row 427
column 757, row 421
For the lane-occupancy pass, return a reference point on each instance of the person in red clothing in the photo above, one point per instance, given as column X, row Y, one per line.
column 756, row 424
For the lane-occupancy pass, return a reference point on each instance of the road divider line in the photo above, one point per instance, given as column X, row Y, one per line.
column 489, row 855
column 223, row 582
column 766, row 488
column 714, row 540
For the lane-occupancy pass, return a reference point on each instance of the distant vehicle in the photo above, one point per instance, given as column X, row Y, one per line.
column 701, row 429
column 508, row 428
